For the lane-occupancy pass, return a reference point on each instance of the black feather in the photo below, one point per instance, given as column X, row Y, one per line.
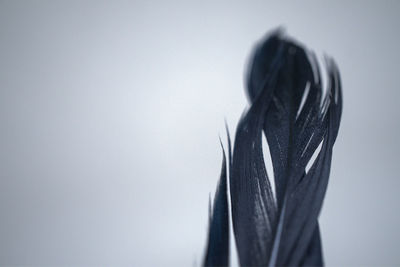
column 287, row 105
column 217, row 251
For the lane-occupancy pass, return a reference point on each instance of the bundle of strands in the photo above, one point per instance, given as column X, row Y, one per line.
column 288, row 104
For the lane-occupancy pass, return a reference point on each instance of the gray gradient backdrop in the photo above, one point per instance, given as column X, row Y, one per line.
column 110, row 114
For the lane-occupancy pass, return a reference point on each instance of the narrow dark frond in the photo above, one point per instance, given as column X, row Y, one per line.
column 217, row 252
column 253, row 206
column 313, row 255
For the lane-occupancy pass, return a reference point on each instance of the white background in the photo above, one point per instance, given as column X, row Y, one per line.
column 110, row 114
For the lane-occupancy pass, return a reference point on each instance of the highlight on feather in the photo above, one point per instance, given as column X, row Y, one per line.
column 289, row 107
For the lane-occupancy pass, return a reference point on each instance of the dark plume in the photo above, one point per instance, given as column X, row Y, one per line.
column 289, row 105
